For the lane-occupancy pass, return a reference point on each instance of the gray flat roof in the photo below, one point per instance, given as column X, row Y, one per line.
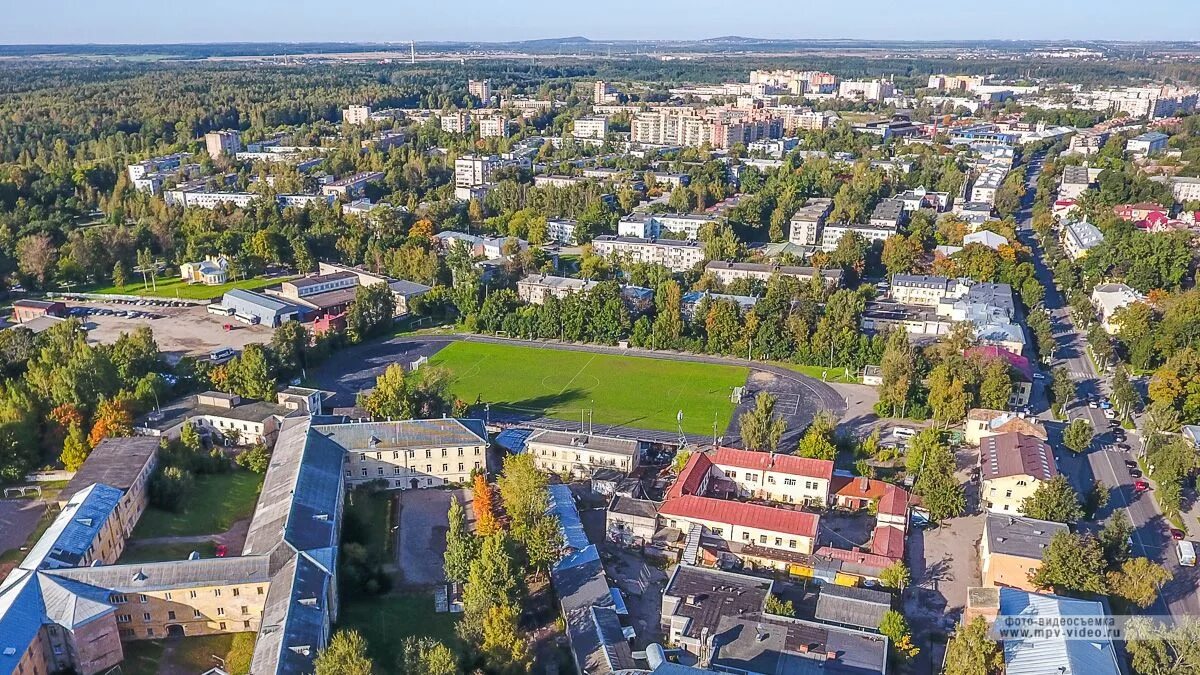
column 567, row 439
column 1018, row 536
column 115, row 461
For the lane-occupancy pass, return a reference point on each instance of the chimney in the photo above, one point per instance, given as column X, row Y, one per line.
column 864, row 483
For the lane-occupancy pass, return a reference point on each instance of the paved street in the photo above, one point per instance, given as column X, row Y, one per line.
column 1151, row 537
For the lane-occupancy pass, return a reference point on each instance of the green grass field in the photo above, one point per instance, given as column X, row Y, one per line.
column 174, row 287
column 627, row 390
column 213, row 506
column 387, row 619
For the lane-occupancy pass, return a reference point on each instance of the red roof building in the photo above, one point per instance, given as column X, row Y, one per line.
column 774, row 462
column 857, row 492
column 894, row 502
column 1015, row 454
column 1019, row 364
column 888, row 541
column 742, row 517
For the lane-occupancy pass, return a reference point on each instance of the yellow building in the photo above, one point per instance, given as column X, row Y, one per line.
column 1012, row 548
column 982, row 422
column 580, row 454
column 411, row 454
column 1012, row 466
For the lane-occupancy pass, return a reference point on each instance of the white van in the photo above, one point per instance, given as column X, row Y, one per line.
column 221, row 355
column 903, row 432
column 1187, row 553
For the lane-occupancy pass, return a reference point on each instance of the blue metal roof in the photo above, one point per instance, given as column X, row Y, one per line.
column 71, row 534
column 22, row 613
column 513, row 440
column 1040, row 655
column 264, row 301
column 562, row 504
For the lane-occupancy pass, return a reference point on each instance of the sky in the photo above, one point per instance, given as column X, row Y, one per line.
column 168, row 21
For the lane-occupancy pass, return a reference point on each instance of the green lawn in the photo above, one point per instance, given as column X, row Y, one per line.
column 215, row 503
column 369, row 515
column 174, row 287
column 627, row 390
column 180, row 655
column 167, row 552
column 386, row 620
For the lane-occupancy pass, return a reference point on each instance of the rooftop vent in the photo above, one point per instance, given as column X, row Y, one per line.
column 140, row 576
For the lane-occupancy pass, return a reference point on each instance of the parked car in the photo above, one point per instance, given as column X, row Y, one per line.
column 1140, row 486
column 1129, row 463
column 1177, row 534
column 1136, row 473
column 1039, row 376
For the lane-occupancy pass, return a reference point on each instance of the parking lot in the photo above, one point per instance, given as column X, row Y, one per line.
column 180, row 331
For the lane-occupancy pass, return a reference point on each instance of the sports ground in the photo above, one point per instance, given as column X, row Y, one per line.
column 629, row 391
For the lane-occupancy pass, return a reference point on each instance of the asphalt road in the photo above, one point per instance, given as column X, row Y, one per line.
column 354, row 370
column 1103, row 462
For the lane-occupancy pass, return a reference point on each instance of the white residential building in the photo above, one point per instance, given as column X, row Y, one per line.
column 645, row 226
column 480, row 89
column 535, row 288
column 675, row 255
column 1079, row 237
column 833, row 233
column 809, row 220
column 869, row 90
column 561, row 231
column 1109, row 298
column 357, row 114
column 493, row 127
column 728, row 272
column 581, row 455
column 456, row 122
column 595, row 126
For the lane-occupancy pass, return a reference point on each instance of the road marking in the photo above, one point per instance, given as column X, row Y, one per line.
column 581, row 369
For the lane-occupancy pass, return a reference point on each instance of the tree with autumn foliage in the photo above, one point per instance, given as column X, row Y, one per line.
column 113, row 418
column 75, row 449
column 484, row 503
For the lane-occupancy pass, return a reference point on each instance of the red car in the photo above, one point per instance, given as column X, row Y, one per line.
column 1177, row 535
column 221, row 550
column 1140, row 486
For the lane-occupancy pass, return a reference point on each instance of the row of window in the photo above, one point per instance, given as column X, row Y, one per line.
column 752, row 477
column 402, row 471
column 362, row 456
column 121, row 598
column 196, row 614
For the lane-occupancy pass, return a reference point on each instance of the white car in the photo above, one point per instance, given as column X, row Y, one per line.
column 1039, row 376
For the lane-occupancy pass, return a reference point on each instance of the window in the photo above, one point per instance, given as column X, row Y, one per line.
column 167, row 596
column 220, row 611
column 124, row 618
column 476, row 451
column 460, row 467
column 364, row 472
column 149, row 632
column 762, row 538
column 752, row 477
column 428, row 468
column 731, row 474
column 260, row 590
column 216, row 592
column 718, row 531
column 1022, row 483
column 791, row 543
column 779, row 541
column 745, row 536
column 245, row 624
column 428, row 454
column 443, row 452
column 117, row 598
column 143, row 599
column 196, row 613
column 237, row 592
column 396, row 471
column 245, row 609
column 222, row 625
column 771, row 480
column 789, row 481
column 379, row 455
column 170, row 615
column 445, row 468
column 1008, row 493
column 192, row 593
column 396, row 455
column 476, row 465
column 347, row 473
column 380, row 471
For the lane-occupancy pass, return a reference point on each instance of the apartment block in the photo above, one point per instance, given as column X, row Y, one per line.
column 495, row 126
column 356, row 114
column 675, row 255
column 351, row 187
column 480, row 89
column 456, row 122
column 595, row 126
column 223, row 143
column 535, row 288
column 727, row 272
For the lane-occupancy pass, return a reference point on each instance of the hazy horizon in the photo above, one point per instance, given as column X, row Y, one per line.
column 127, row 22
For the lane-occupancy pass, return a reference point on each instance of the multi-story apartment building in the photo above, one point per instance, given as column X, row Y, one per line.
column 673, row 126
column 223, row 143
column 351, row 187
column 561, row 231
column 943, row 82
column 727, row 272
column 411, row 454
column 1184, row 188
column 595, row 126
column 535, row 288
column 125, row 464
column 475, row 170
column 985, row 186
column 88, row 530
column 495, row 126
column 480, row 89
column 225, row 418
column 456, row 122
column 832, row 233
column 1147, row 143
column 1088, row 142
column 581, row 455
column 928, row 291
column 868, row 90
column 1079, row 237
column 356, row 114
column 647, row 226
column 675, row 255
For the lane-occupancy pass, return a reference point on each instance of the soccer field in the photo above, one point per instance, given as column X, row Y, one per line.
column 626, row 390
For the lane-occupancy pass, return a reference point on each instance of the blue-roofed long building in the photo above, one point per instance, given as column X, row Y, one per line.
column 58, row 612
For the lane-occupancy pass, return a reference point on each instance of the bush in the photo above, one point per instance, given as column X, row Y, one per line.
column 256, row 459
column 170, row 487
